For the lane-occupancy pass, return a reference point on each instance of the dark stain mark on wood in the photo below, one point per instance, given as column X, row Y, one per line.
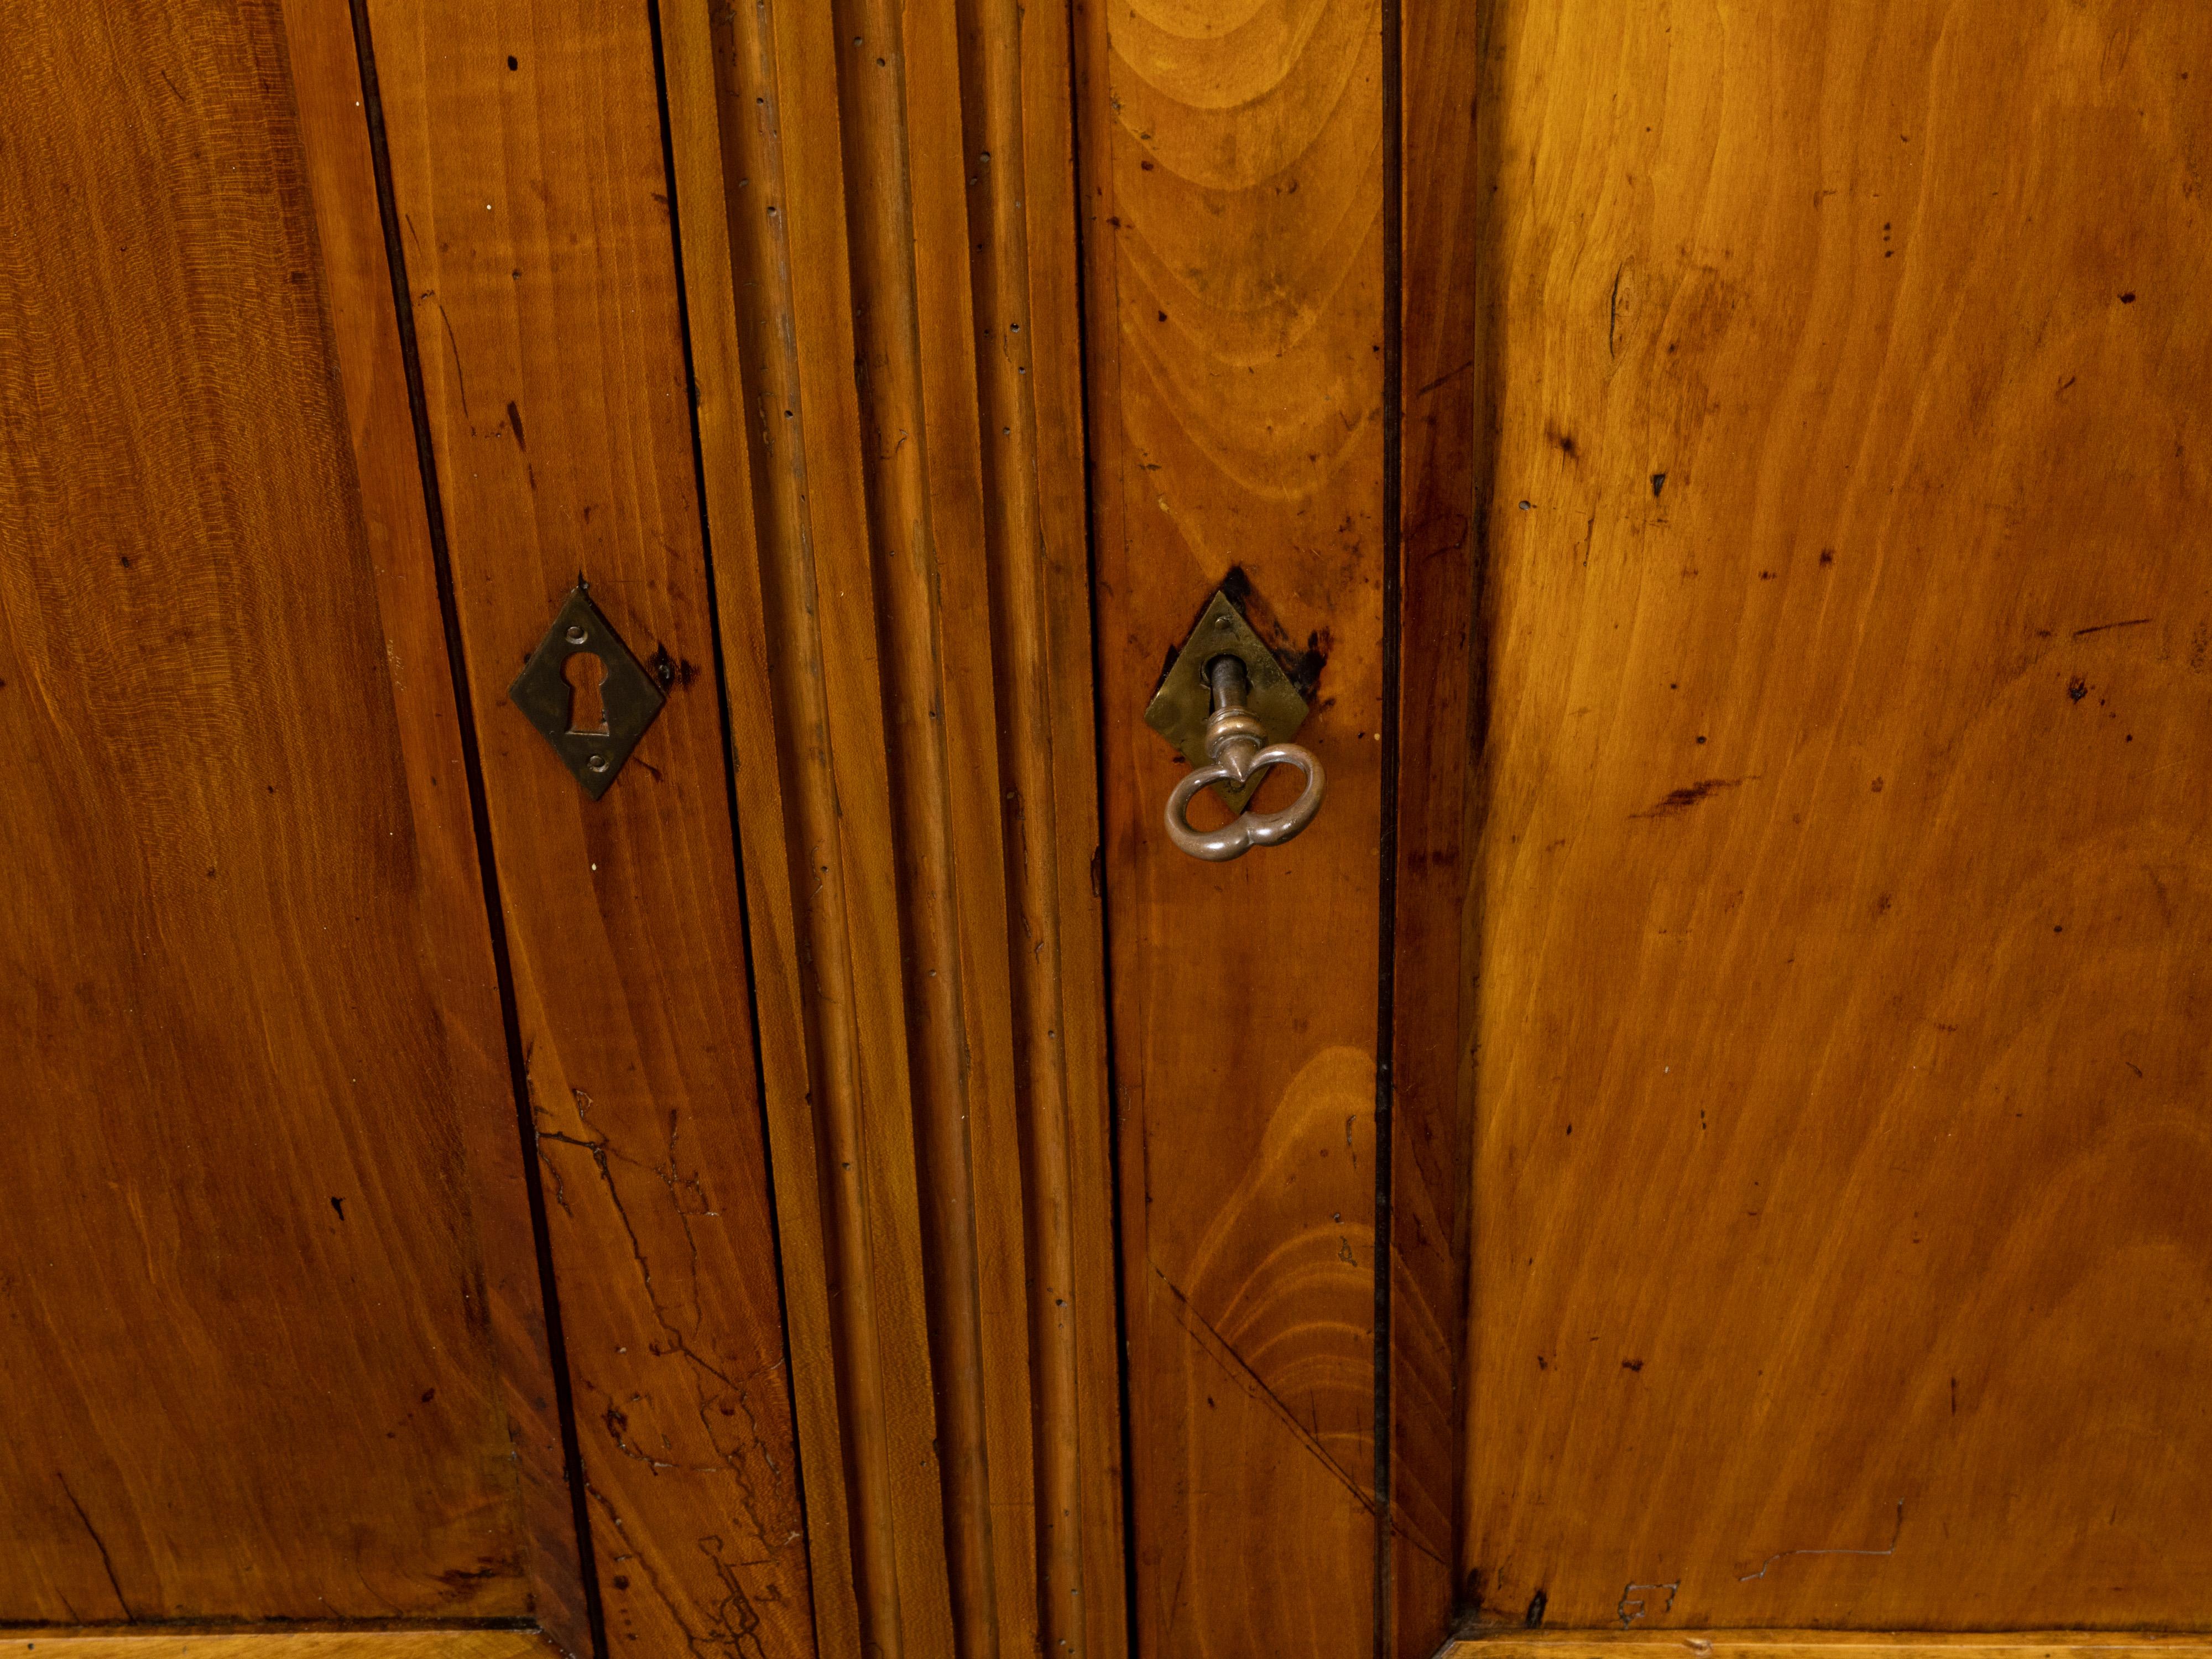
column 514, row 425
column 1304, row 666
column 2101, row 627
column 1448, row 374
column 1688, row 796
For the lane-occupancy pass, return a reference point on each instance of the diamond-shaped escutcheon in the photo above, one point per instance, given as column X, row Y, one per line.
column 1183, row 702
column 593, row 735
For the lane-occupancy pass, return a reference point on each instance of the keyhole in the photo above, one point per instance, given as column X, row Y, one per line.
column 587, row 715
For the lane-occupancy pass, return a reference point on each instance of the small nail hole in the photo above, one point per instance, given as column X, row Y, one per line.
column 597, row 762
column 578, row 633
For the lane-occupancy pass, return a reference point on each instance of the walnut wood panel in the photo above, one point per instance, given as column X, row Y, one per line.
column 867, row 534
column 1843, row 1123
column 1232, row 166
column 1441, row 312
column 532, row 188
column 272, row 1304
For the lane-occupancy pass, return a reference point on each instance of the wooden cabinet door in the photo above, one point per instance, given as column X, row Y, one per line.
column 274, row 1342
column 1701, row 1144
column 387, row 1245
column 417, row 1181
column 1705, row 1139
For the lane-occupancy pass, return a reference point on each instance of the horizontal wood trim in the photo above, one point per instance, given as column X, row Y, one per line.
column 1864, row 1644
column 285, row 1644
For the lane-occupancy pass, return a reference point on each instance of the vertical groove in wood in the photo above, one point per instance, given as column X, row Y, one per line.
column 530, row 170
column 275, row 1346
column 790, row 597
column 990, row 101
column 800, row 614
column 368, row 286
column 1048, row 196
column 871, row 82
column 897, row 566
column 730, row 188
column 1441, row 645
column 1092, row 123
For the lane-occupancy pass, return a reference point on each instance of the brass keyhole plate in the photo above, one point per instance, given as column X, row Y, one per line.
column 1180, row 708
column 630, row 697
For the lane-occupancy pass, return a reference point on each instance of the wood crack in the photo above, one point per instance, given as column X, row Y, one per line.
column 99, row 1543
column 734, row 1391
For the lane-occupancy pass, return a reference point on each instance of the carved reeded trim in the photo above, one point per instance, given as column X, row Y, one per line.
column 871, row 84
column 991, row 103
column 902, row 595
column 780, row 709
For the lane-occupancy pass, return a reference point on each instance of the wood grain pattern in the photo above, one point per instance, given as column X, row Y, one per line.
column 979, row 80
column 1231, row 161
column 946, row 171
column 1048, row 196
column 1843, row 887
column 531, row 184
column 906, row 1510
column 286, row 1644
column 266, row 1265
column 904, row 491
column 730, row 179
column 1443, row 451
column 1781, row 1644
column 1030, row 698
column 326, row 69
column 797, row 598
column 829, row 223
